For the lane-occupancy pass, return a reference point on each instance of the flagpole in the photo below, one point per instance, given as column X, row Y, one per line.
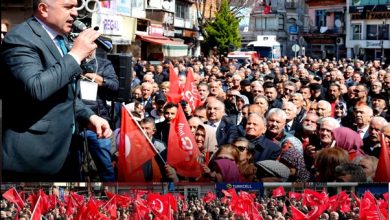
column 36, row 205
column 17, row 193
column 109, row 201
column 143, row 132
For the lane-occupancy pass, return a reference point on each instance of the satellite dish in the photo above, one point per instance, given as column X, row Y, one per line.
column 166, row 5
column 323, row 29
column 299, row 23
column 337, row 23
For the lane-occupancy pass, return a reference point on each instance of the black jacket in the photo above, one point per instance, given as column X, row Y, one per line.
column 106, row 91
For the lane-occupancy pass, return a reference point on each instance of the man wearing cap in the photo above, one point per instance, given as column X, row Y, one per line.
column 379, row 104
column 245, row 86
column 316, row 91
column 272, row 171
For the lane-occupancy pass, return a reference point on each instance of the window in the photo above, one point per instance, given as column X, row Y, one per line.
column 356, row 31
column 320, row 18
column 137, row 4
column 291, row 4
column 266, row 23
column 182, row 10
column 378, row 32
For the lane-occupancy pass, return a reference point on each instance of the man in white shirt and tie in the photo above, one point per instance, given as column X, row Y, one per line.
column 363, row 115
column 215, row 111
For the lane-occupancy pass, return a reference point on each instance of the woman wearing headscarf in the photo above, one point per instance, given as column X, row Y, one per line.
column 347, row 139
column 223, row 166
column 293, row 159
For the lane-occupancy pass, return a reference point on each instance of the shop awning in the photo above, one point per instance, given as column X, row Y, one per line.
column 170, row 48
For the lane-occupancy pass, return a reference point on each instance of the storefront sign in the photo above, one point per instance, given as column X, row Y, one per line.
column 371, row 16
column 373, row 44
column 120, row 29
column 109, row 24
column 240, row 186
column 156, row 30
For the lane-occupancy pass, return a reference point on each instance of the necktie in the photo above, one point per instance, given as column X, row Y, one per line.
column 64, row 50
column 61, row 42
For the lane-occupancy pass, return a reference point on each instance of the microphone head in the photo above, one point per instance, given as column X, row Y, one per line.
column 79, row 25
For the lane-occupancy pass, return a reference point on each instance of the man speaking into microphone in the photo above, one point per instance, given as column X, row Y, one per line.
column 39, row 88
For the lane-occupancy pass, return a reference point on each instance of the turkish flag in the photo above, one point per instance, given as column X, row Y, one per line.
column 267, row 9
column 297, row 214
column 111, row 207
column 141, row 209
column 340, row 202
column 134, row 149
column 37, row 212
column 313, row 198
column 190, row 93
column 70, row 205
column 209, row 197
column 182, row 149
column 278, row 192
column 159, row 205
column 90, row 211
column 45, row 204
column 383, row 171
column 386, row 197
column 53, row 200
column 13, row 196
column 175, row 91
column 295, row 195
column 368, row 207
column 121, row 200
column 356, row 198
column 78, row 198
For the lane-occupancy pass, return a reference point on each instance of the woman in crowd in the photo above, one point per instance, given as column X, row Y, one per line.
column 293, row 159
column 246, row 163
column 224, row 165
column 326, row 162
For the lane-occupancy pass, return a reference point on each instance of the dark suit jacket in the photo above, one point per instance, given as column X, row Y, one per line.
column 222, row 131
column 39, row 102
column 265, row 149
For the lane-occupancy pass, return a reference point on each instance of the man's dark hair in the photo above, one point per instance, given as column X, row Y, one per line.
column 356, row 172
column 267, row 85
column 170, row 105
column 148, row 120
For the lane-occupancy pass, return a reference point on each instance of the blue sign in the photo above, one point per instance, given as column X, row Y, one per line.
column 293, row 29
column 256, row 187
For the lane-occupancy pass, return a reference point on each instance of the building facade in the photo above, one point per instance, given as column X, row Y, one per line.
column 325, row 35
column 368, row 29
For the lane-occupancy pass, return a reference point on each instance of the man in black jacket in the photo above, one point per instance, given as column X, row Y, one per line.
column 107, row 82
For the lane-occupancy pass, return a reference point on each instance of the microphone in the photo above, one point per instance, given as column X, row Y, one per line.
column 100, row 41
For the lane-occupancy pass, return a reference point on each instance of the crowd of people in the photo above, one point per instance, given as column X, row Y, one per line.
column 230, row 205
column 297, row 119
